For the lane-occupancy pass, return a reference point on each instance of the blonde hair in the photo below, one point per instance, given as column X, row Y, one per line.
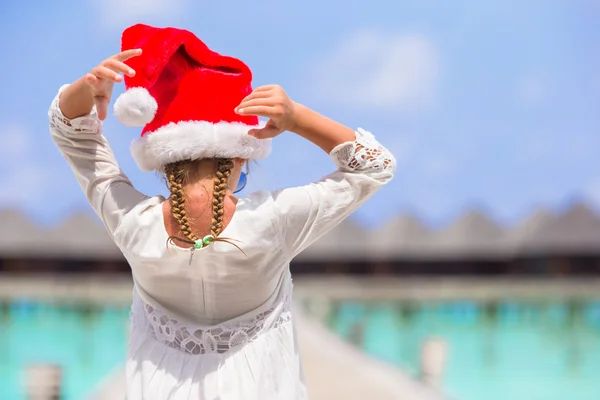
column 177, row 176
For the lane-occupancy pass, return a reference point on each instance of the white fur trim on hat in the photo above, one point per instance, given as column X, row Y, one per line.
column 191, row 140
column 135, row 107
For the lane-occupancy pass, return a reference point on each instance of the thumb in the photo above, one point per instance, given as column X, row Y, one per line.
column 101, row 107
column 264, row 133
column 270, row 130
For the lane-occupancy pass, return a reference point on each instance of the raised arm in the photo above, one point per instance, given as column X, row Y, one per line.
column 285, row 115
column 364, row 166
column 76, row 116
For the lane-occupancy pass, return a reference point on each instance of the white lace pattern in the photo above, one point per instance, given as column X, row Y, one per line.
column 220, row 338
column 85, row 124
column 365, row 153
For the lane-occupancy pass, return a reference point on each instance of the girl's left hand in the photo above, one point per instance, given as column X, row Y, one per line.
column 269, row 102
column 102, row 78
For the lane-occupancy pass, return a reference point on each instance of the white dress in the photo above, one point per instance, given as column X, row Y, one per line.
column 217, row 325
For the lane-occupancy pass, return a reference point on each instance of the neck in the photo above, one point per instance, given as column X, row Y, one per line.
column 201, row 189
column 201, row 200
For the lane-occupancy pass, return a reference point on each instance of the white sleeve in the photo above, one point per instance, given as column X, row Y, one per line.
column 87, row 151
column 309, row 212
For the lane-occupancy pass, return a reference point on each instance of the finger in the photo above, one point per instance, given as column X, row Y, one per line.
column 127, row 54
column 91, row 80
column 95, row 83
column 101, row 107
column 264, row 133
column 264, row 88
column 119, row 66
column 259, row 111
column 257, row 95
column 103, row 72
column 256, row 102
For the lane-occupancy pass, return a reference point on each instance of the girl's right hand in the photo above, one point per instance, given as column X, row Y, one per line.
column 101, row 79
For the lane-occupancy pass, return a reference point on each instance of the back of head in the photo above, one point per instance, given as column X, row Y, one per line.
column 185, row 95
column 180, row 174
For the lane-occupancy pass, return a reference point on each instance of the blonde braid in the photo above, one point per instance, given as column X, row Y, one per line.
column 175, row 179
column 224, row 167
column 175, row 175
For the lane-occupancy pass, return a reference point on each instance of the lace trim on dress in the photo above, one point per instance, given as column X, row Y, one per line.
column 86, row 124
column 365, row 152
column 220, row 338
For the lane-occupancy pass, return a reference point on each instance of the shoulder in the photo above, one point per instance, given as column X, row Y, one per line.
column 147, row 214
column 257, row 199
column 275, row 202
column 257, row 214
column 257, row 204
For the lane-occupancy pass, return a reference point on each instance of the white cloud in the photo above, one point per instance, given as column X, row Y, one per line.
column 557, row 147
column 24, row 179
column 27, row 184
column 532, row 91
column 117, row 14
column 439, row 168
column 372, row 69
column 15, row 142
column 404, row 147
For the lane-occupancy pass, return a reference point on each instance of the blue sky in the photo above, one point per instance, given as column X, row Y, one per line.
column 491, row 104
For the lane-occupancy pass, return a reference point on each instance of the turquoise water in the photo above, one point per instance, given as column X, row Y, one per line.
column 502, row 351
column 86, row 341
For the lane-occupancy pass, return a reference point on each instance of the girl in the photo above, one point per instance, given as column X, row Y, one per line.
column 211, row 314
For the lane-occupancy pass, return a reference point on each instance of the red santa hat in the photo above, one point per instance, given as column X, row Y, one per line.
column 185, row 95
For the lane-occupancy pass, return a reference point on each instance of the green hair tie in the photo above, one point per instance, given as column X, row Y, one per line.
column 208, row 239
